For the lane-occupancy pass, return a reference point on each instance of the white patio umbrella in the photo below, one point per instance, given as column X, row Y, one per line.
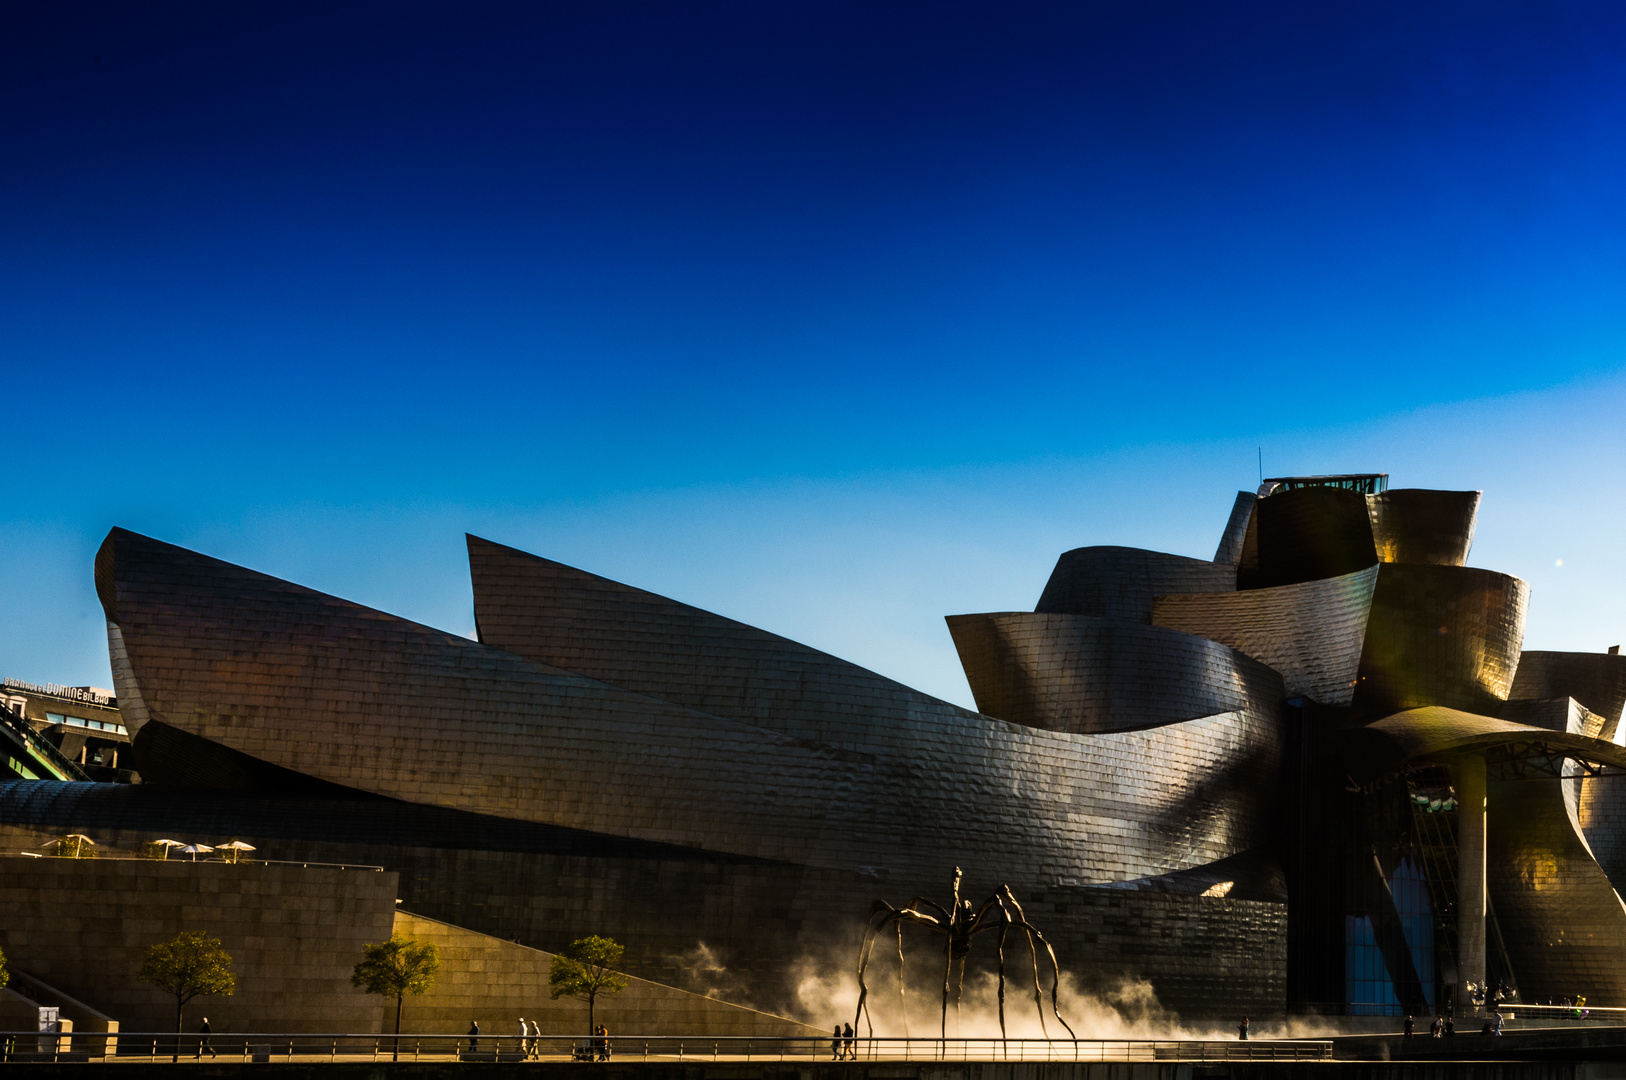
column 167, row 844
column 236, row 847
column 195, row 849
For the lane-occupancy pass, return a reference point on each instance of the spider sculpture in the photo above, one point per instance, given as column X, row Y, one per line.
column 958, row 923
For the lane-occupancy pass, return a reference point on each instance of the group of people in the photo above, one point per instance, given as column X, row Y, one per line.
column 530, row 1041
column 843, row 1043
column 1442, row 1027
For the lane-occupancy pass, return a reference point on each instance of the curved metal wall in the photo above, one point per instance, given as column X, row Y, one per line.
column 1600, row 814
column 1303, row 535
column 1560, row 918
column 1079, row 674
column 1596, row 680
column 1236, row 529
column 1311, row 632
column 1417, row 525
column 1441, row 635
column 1121, row 583
column 358, row 698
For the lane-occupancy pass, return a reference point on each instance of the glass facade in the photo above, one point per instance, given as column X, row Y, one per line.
column 1369, row 986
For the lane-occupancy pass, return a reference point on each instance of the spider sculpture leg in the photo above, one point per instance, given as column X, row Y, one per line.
column 1055, row 968
column 948, row 951
column 903, row 1006
column 881, row 915
column 1004, row 924
column 871, row 930
column 977, row 924
column 1055, row 978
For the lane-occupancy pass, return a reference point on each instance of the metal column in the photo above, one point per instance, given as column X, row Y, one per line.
column 1469, row 776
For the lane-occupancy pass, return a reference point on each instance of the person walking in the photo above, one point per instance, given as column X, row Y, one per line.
column 524, row 1043
column 1242, row 1030
column 835, row 1043
column 1496, row 1022
column 851, row 1040
column 604, row 1042
column 1410, row 1026
column 474, row 1036
column 204, row 1032
column 536, row 1040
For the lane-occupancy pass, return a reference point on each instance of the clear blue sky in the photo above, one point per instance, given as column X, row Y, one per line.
column 836, row 318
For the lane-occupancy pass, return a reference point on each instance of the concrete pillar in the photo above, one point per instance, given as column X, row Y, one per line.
column 1469, row 777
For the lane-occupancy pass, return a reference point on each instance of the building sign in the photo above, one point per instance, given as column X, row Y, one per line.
column 71, row 693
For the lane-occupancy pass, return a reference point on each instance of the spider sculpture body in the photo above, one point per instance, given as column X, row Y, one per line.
column 958, row 923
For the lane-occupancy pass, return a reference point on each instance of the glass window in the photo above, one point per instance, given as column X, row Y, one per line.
column 74, row 721
column 95, row 724
column 121, row 729
column 55, row 718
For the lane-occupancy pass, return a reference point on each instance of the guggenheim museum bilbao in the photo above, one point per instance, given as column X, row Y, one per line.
column 1315, row 774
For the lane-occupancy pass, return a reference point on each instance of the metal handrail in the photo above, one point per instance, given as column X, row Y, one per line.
column 22, row 728
column 124, row 856
column 288, row 1046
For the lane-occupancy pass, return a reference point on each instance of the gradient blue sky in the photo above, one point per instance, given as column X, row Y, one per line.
column 835, row 318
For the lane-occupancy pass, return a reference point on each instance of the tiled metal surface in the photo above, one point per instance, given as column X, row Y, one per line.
column 359, row 698
column 1236, row 529
column 1413, row 525
column 1600, row 811
column 1122, row 583
column 1311, row 632
column 1441, row 635
column 1596, row 680
column 1559, row 714
column 1081, row 674
column 1561, row 920
column 545, row 888
column 1304, row 535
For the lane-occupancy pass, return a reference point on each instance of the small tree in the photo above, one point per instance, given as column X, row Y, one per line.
column 5, row 975
column 74, row 846
column 188, row 965
column 586, row 970
column 396, row 968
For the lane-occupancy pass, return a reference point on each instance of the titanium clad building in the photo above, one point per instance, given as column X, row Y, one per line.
column 1313, row 774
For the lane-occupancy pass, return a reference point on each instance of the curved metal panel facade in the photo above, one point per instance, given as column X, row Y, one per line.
column 1441, row 635
column 1600, row 814
column 1312, row 632
column 1121, row 583
column 1074, row 673
column 1303, row 535
column 555, row 614
column 358, row 698
column 1561, row 921
column 1414, row 525
column 1236, row 529
column 1596, row 680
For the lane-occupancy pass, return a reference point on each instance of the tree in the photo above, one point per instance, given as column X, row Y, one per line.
column 74, row 846
column 5, row 975
column 586, row 970
column 188, row 965
column 396, row 968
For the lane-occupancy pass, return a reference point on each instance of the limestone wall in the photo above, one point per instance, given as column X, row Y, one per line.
column 294, row 934
column 496, row 982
